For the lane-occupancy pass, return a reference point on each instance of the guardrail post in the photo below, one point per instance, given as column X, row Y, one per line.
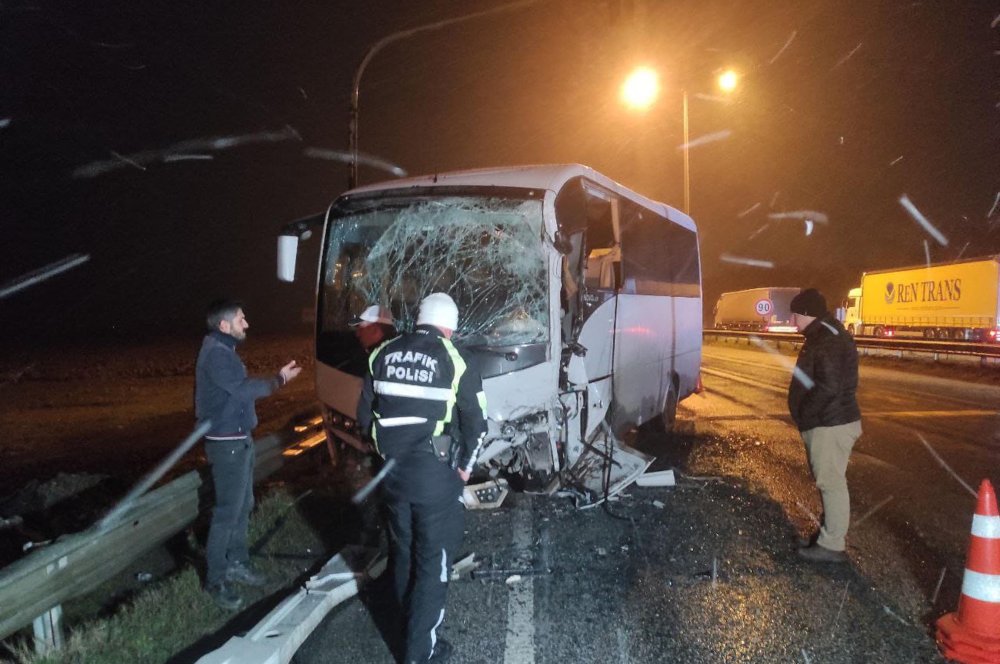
column 49, row 630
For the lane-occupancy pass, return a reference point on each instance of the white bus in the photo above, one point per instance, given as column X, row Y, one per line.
column 580, row 298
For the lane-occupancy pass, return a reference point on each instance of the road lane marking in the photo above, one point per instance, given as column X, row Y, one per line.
column 519, row 647
column 944, row 464
column 865, row 414
column 870, row 512
column 931, row 413
column 966, row 412
column 739, row 379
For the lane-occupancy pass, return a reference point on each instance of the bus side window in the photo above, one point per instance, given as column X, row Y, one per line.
column 603, row 270
column 660, row 257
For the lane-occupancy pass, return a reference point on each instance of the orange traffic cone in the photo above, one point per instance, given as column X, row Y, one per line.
column 972, row 635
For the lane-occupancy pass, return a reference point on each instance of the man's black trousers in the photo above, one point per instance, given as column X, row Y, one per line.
column 425, row 537
column 232, row 474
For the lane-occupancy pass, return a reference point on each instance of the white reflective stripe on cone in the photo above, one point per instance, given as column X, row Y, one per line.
column 984, row 587
column 987, row 527
column 400, row 421
column 415, row 391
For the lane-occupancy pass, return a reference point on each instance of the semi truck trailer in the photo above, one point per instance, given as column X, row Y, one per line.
column 958, row 300
column 759, row 309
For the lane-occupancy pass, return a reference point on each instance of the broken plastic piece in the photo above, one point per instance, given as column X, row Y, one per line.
column 487, row 495
column 587, row 476
column 464, row 565
column 659, row 478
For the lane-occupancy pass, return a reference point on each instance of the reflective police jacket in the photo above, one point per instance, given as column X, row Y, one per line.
column 418, row 386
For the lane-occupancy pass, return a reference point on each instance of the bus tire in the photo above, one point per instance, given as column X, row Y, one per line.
column 669, row 414
column 664, row 422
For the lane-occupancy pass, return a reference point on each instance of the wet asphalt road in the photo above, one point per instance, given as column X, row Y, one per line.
column 705, row 571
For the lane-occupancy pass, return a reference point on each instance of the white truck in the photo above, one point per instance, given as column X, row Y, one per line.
column 958, row 300
column 756, row 309
column 580, row 298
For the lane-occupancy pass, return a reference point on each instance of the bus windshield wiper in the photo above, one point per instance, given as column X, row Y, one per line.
column 509, row 355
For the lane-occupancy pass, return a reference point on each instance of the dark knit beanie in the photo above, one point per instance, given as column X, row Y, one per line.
column 809, row 302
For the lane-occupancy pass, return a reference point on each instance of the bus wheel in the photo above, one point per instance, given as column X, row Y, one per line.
column 669, row 415
column 664, row 423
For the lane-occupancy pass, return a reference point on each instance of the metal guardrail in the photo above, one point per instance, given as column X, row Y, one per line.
column 76, row 564
column 956, row 352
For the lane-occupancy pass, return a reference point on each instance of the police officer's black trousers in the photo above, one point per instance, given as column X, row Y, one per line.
column 424, row 539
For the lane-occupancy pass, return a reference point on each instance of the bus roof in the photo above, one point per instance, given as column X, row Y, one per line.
column 550, row 177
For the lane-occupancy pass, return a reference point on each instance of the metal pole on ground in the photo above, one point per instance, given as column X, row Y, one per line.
column 152, row 477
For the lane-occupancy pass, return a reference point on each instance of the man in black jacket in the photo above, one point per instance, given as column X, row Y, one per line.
column 423, row 405
column 823, row 405
column 225, row 395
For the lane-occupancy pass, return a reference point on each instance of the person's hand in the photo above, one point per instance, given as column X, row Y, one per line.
column 464, row 474
column 289, row 371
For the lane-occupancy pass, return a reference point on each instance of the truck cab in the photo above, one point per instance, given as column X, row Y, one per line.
column 852, row 313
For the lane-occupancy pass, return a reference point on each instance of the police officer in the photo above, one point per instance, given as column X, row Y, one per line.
column 423, row 405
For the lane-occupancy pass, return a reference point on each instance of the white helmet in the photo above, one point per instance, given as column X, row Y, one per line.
column 439, row 310
column 373, row 314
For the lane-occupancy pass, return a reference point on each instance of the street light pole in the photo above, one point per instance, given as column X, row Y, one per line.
column 687, row 160
column 352, row 141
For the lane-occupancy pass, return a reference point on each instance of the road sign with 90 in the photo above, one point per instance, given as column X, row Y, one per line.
column 763, row 307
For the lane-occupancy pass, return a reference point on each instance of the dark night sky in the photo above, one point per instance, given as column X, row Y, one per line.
column 844, row 106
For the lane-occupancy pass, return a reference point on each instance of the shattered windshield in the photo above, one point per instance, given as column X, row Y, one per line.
column 484, row 251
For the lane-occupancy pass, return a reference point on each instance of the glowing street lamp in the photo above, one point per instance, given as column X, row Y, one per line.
column 639, row 92
column 728, row 80
column 640, row 89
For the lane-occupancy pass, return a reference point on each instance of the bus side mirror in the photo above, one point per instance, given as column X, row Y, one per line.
column 288, row 251
column 562, row 243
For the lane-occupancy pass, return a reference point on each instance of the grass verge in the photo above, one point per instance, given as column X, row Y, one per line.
column 175, row 615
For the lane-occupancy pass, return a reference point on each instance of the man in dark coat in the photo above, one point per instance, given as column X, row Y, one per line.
column 224, row 395
column 823, row 404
